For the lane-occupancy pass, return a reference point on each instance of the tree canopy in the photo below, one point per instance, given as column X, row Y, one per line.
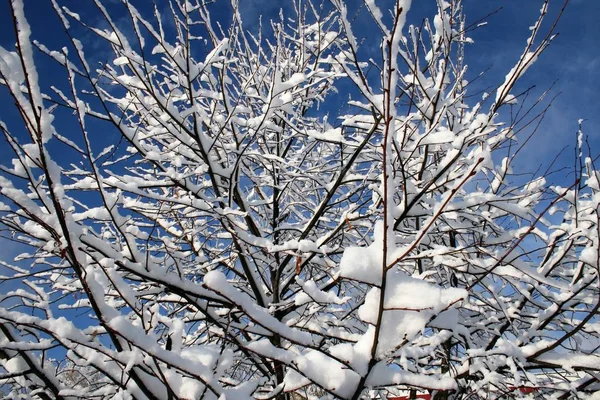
column 229, row 212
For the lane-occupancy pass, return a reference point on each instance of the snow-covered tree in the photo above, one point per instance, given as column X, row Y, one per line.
column 200, row 220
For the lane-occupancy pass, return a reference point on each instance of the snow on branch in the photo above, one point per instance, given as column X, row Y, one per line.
column 201, row 207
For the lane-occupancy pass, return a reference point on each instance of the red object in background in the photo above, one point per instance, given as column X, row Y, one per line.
column 524, row 389
column 419, row 396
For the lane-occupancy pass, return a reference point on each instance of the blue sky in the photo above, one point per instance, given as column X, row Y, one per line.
column 573, row 59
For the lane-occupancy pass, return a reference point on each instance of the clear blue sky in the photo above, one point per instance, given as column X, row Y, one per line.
column 573, row 59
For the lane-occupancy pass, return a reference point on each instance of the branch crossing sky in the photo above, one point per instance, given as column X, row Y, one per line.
column 573, row 60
